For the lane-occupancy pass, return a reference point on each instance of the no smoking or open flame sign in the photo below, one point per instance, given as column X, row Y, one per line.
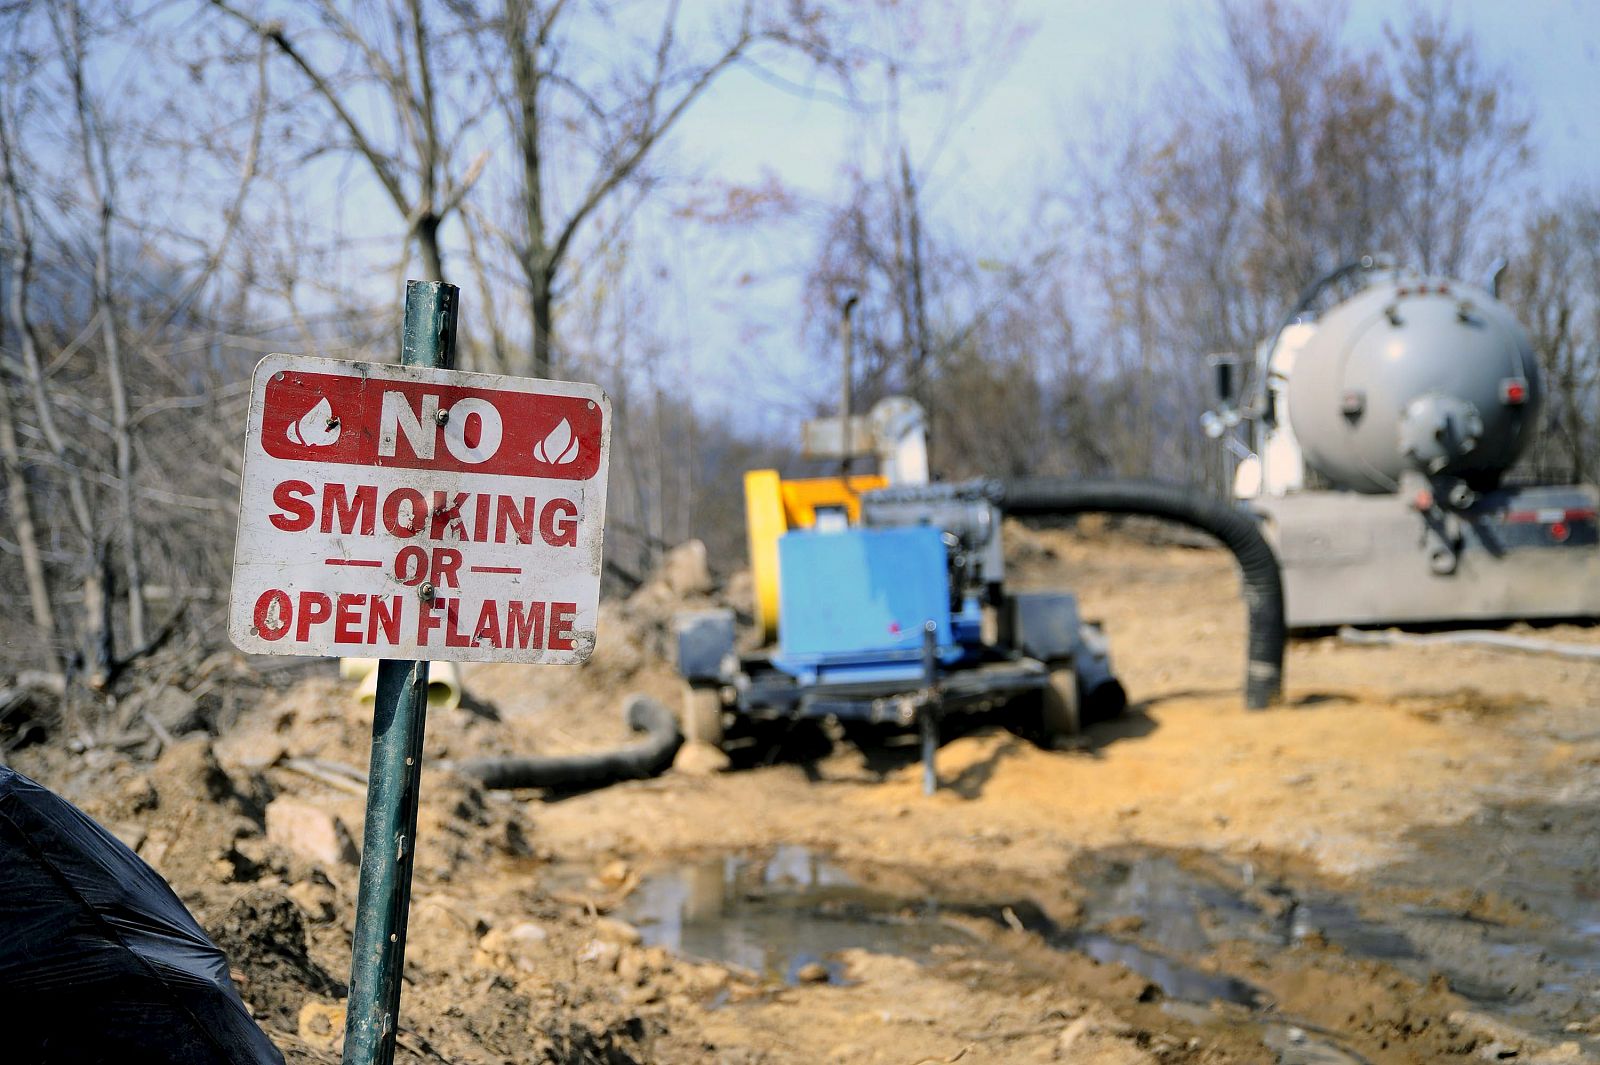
column 402, row 512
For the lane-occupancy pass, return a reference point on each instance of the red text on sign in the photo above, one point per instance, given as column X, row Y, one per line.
column 473, row 517
column 355, row 618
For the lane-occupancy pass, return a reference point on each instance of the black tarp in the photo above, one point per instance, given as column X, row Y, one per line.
column 99, row 961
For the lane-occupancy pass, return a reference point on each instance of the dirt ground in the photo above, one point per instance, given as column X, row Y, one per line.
column 1396, row 865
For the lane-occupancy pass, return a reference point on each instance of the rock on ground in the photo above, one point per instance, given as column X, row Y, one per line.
column 310, row 832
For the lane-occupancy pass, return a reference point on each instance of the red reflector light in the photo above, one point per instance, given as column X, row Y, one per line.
column 1513, row 391
column 1555, row 519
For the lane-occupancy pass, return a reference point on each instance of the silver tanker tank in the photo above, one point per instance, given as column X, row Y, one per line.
column 1380, row 431
column 1415, row 373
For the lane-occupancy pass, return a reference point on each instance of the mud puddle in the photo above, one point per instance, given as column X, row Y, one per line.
column 783, row 913
column 788, row 913
column 1192, row 905
column 1528, row 930
column 1537, row 967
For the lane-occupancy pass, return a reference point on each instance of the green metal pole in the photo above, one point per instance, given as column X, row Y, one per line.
column 394, row 779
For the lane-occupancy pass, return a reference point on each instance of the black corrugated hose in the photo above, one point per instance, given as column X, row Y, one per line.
column 1034, row 496
column 635, row 761
column 1263, row 584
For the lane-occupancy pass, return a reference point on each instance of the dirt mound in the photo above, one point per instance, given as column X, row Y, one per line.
column 1398, row 779
column 264, row 936
column 575, row 1044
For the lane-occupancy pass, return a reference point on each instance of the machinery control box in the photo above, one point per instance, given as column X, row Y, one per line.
column 861, row 596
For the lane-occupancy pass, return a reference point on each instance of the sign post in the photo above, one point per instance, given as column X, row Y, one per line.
column 394, row 777
column 410, row 513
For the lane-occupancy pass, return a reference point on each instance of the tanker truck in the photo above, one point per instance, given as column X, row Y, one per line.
column 1374, row 445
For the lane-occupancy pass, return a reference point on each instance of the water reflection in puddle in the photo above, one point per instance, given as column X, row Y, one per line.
column 1175, row 979
column 789, row 914
column 794, row 909
column 1293, row 1044
column 783, row 913
column 779, row 915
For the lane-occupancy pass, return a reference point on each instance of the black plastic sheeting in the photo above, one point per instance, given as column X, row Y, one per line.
column 99, row 961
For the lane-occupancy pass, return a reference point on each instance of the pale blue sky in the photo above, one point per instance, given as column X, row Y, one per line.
column 737, row 347
column 1079, row 47
column 1011, row 140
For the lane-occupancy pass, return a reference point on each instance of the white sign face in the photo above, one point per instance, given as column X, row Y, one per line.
column 398, row 512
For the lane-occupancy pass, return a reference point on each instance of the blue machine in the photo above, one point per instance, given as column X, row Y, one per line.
column 881, row 621
column 857, row 604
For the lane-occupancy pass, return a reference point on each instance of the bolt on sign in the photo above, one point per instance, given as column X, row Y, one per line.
column 411, row 513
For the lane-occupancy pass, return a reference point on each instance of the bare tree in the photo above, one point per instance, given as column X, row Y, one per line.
column 66, row 462
column 396, row 54
column 1554, row 285
column 876, row 245
column 1251, row 170
column 1462, row 137
column 625, row 110
column 99, row 174
column 19, row 503
column 114, row 503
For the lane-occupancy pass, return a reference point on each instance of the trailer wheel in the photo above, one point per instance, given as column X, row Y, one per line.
column 1106, row 702
column 1060, row 707
column 702, row 714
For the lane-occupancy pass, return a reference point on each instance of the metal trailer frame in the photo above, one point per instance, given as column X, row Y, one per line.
column 1043, row 648
column 1352, row 559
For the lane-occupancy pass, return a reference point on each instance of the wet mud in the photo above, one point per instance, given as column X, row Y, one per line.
column 1397, row 865
column 1195, row 926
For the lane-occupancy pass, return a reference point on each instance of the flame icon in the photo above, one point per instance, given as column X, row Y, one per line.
column 318, row 428
column 559, row 448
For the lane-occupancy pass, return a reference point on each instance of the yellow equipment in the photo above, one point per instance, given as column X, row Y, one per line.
column 773, row 506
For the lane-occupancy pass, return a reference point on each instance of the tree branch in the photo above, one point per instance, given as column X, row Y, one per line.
column 380, row 163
